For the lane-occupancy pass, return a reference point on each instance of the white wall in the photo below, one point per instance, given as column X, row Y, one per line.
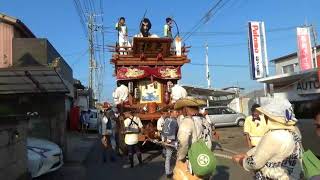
column 82, row 102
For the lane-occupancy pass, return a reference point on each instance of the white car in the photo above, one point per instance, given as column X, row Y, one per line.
column 43, row 156
column 224, row 116
column 93, row 122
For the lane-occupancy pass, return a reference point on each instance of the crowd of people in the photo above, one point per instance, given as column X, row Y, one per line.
column 183, row 124
column 275, row 143
column 186, row 131
column 272, row 136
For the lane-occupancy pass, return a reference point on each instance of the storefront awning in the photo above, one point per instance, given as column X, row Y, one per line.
column 216, row 94
column 288, row 78
column 40, row 79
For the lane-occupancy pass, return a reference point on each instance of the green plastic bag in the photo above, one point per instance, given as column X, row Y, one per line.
column 201, row 158
column 311, row 164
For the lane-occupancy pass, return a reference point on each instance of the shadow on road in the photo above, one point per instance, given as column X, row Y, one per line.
column 222, row 173
column 151, row 156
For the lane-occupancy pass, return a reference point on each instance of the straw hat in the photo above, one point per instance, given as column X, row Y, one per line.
column 106, row 106
column 189, row 102
column 279, row 110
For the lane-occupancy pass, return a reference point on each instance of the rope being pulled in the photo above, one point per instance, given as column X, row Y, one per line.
column 222, row 155
column 176, row 146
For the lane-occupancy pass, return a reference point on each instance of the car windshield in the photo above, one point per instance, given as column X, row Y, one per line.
column 229, row 111
column 93, row 115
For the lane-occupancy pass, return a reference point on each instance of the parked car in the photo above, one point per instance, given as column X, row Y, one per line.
column 93, row 122
column 43, row 156
column 225, row 116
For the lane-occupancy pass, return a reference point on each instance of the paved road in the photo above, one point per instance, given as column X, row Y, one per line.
column 231, row 138
column 94, row 168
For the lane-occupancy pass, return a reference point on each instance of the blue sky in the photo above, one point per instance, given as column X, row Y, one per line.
column 58, row 21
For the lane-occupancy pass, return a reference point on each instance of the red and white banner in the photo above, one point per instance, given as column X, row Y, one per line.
column 161, row 72
column 304, row 48
column 255, row 50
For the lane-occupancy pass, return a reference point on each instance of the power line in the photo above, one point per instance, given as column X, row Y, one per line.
column 86, row 6
column 240, row 43
column 195, row 27
column 222, row 65
column 80, row 56
column 80, row 13
column 207, row 17
column 74, row 53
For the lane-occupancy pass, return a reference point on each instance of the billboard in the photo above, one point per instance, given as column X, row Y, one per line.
column 304, row 48
column 255, row 50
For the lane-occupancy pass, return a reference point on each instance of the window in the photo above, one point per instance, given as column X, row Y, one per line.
column 306, row 109
column 93, row 115
column 288, row 68
column 214, row 111
column 229, row 111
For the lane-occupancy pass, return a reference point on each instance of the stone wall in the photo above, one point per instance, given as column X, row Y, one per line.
column 52, row 119
column 13, row 151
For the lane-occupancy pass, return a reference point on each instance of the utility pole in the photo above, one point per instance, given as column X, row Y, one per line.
column 314, row 36
column 207, row 71
column 91, row 57
column 207, row 67
column 266, row 61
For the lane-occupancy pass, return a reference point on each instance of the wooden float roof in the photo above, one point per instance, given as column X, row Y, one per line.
column 149, row 52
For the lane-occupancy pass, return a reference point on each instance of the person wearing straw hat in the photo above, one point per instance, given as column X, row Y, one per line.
column 278, row 155
column 191, row 128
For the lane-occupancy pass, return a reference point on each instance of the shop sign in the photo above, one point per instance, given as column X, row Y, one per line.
column 255, row 50
column 308, row 87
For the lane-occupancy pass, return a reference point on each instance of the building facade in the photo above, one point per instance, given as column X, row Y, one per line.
column 34, row 77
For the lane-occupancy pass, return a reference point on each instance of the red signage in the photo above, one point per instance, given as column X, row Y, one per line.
column 304, row 48
column 162, row 72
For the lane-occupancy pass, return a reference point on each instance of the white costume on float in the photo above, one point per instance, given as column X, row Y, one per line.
column 120, row 94
column 123, row 37
column 178, row 92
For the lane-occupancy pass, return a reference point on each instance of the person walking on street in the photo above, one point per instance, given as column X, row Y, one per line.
column 254, row 127
column 83, row 124
column 160, row 123
column 112, row 117
column 204, row 112
column 85, row 121
column 278, row 155
column 107, row 133
column 169, row 132
column 192, row 128
column 133, row 127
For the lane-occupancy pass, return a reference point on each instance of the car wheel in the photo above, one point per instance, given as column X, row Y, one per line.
column 240, row 122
